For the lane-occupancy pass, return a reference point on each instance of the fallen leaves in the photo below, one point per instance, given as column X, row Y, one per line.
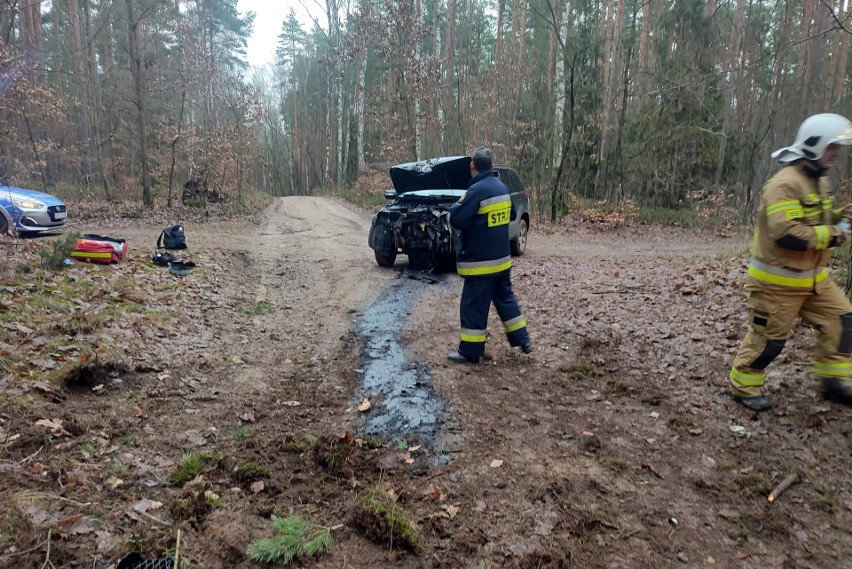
column 364, row 405
column 113, row 482
column 55, row 425
column 145, row 505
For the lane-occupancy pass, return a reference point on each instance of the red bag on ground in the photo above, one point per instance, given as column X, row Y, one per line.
column 100, row 249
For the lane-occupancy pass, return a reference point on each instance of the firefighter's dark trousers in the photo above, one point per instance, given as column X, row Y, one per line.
column 477, row 295
column 771, row 318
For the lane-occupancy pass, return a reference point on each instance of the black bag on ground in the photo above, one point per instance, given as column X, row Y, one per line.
column 172, row 238
column 181, row 268
column 162, row 259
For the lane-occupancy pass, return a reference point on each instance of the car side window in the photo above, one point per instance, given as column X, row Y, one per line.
column 517, row 186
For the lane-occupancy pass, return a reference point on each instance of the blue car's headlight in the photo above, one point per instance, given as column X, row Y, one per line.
column 26, row 203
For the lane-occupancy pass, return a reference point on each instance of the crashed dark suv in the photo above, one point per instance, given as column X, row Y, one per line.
column 413, row 224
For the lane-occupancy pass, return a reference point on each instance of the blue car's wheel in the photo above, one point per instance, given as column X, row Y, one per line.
column 4, row 225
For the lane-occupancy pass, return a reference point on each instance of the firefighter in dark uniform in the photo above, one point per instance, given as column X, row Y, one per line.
column 788, row 273
column 484, row 261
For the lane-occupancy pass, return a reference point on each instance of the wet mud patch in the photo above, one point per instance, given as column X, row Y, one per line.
column 91, row 377
column 406, row 406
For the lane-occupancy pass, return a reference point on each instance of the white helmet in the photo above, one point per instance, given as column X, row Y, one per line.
column 815, row 134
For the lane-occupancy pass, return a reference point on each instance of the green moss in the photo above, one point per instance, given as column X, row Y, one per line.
column 373, row 442
column 251, row 471
column 584, row 370
column 296, row 447
column 256, row 309
column 132, row 307
column 188, row 468
column 16, row 405
column 390, row 519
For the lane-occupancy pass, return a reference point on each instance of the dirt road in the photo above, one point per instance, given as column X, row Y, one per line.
column 614, row 445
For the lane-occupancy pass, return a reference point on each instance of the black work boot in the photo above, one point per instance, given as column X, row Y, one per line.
column 833, row 390
column 458, row 358
column 759, row 403
column 527, row 348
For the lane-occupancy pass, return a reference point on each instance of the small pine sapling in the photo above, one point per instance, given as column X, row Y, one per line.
column 53, row 256
column 296, row 538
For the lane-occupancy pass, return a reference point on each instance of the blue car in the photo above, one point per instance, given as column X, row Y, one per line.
column 29, row 211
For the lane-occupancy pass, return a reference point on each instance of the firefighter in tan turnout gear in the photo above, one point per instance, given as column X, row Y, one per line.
column 788, row 272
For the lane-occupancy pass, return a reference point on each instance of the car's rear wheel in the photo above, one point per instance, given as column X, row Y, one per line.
column 519, row 243
column 385, row 260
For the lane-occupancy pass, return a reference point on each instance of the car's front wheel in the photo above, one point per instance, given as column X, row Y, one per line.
column 519, row 243
column 385, row 260
column 4, row 225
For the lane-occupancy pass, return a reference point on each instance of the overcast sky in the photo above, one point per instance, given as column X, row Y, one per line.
column 269, row 17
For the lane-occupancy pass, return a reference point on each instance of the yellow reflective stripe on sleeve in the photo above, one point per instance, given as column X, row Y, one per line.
column 822, row 235
column 782, row 206
column 748, row 379
column 515, row 324
column 836, row 369
column 812, row 211
column 473, row 336
column 479, row 268
column 492, row 204
column 498, row 210
column 786, row 280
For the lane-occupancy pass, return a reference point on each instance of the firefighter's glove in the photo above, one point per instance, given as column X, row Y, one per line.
column 839, row 235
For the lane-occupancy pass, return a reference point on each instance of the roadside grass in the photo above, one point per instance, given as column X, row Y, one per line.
column 188, row 468
column 364, row 198
column 52, row 322
column 256, row 309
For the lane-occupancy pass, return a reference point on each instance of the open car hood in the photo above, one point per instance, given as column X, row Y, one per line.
column 448, row 173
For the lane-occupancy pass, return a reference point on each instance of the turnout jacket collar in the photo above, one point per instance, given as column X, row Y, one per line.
column 481, row 176
column 795, row 228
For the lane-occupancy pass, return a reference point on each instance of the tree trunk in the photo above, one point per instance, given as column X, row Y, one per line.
column 449, row 67
column 568, row 129
column 608, row 102
column 823, row 19
column 843, row 55
column 728, row 79
column 139, row 90
column 175, row 141
column 359, row 110
column 416, row 83
column 94, row 88
column 80, row 82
